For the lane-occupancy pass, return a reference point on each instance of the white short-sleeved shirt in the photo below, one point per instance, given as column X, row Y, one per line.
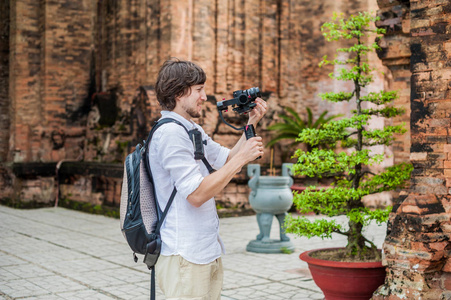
column 192, row 232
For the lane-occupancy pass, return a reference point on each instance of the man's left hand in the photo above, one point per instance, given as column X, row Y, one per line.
column 258, row 112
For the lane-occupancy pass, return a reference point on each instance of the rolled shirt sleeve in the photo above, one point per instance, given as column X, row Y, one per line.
column 215, row 153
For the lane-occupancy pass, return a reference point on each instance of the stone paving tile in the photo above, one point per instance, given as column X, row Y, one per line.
column 21, row 288
column 6, row 276
column 52, row 257
column 245, row 293
column 264, row 294
column 81, row 295
column 271, row 291
column 42, row 297
column 304, row 283
column 125, row 259
column 50, row 253
column 81, row 265
column 135, row 291
column 26, row 271
column 106, row 278
column 234, row 280
column 238, row 286
column 84, row 295
column 56, row 284
column 8, row 260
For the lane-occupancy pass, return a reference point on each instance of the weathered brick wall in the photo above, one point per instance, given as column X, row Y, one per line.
column 50, row 63
column 4, row 75
column 395, row 54
column 275, row 45
column 417, row 247
column 24, row 81
column 83, row 71
column 66, row 75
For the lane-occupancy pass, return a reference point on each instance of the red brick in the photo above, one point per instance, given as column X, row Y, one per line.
column 447, row 268
column 437, row 131
column 410, row 209
column 419, row 246
column 447, row 279
column 439, row 246
column 431, row 219
column 418, row 155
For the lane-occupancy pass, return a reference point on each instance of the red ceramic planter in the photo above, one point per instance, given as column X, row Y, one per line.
column 345, row 280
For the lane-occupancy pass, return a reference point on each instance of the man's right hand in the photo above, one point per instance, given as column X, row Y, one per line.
column 252, row 149
column 214, row 183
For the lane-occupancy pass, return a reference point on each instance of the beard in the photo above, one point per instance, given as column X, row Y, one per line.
column 192, row 112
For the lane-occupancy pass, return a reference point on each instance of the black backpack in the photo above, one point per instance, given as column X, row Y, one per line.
column 140, row 214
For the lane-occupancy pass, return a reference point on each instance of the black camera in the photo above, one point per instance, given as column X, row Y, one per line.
column 243, row 100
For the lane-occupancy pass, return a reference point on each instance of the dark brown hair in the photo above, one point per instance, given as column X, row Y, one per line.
column 175, row 79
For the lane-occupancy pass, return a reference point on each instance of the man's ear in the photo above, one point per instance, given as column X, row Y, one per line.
column 177, row 98
column 187, row 92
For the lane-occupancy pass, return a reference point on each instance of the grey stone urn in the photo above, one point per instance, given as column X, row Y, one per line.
column 271, row 196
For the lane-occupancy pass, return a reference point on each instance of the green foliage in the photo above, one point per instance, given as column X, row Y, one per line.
column 90, row 208
column 350, row 167
column 380, row 98
column 337, row 97
column 318, row 162
column 319, row 227
column 292, row 124
column 286, row 250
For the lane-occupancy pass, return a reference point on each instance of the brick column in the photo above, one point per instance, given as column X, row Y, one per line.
column 24, row 80
column 50, row 58
column 66, row 77
column 395, row 54
column 417, row 247
column 4, row 74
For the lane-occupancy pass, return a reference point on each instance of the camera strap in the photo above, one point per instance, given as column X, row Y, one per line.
column 207, row 164
column 196, row 138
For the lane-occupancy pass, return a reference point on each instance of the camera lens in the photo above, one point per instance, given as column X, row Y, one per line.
column 243, row 99
column 254, row 92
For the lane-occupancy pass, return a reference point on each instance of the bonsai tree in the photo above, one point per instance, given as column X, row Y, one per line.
column 350, row 167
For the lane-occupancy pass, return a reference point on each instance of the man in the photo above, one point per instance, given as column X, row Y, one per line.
column 190, row 264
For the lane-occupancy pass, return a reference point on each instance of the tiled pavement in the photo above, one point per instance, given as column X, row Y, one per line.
column 55, row 253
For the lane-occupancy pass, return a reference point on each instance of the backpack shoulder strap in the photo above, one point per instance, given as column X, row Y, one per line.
column 149, row 172
column 147, row 142
column 158, row 124
column 171, row 120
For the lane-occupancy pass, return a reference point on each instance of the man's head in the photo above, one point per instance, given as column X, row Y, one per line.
column 175, row 79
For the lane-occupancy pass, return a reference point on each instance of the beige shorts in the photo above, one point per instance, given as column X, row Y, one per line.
column 179, row 279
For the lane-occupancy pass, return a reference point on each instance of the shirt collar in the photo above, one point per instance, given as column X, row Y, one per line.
column 189, row 124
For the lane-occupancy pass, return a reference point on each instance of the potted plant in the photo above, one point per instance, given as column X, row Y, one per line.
column 350, row 168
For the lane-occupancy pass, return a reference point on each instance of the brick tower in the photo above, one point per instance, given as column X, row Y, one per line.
column 417, row 50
